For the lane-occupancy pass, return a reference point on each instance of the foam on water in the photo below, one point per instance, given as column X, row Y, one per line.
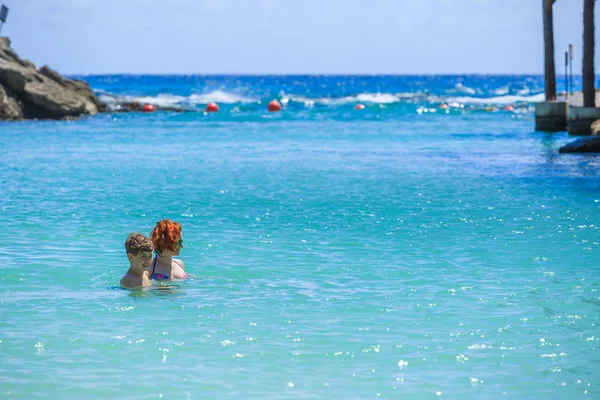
column 459, row 87
column 500, row 100
column 169, row 100
column 219, row 96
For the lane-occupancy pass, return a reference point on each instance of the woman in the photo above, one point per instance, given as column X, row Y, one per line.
column 167, row 240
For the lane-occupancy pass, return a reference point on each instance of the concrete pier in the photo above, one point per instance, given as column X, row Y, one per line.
column 576, row 99
column 567, row 113
column 551, row 116
column 580, row 120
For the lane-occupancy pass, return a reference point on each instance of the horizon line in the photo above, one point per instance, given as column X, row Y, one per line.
column 311, row 74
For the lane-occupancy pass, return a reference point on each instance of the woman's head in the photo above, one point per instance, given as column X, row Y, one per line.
column 166, row 237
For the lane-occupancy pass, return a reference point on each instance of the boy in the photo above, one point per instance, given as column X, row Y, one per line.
column 139, row 252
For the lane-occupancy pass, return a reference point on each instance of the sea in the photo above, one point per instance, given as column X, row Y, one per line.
column 430, row 245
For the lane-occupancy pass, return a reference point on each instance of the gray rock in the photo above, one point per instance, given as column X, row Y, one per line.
column 28, row 63
column 77, row 86
column 585, row 145
column 133, row 106
column 9, row 108
column 43, row 94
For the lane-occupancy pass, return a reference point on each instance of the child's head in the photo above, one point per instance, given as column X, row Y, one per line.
column 139, row 250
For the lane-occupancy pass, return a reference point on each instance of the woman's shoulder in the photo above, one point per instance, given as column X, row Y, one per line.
column 179, row 262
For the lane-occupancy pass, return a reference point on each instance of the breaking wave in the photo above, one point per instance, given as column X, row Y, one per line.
column 223, row 97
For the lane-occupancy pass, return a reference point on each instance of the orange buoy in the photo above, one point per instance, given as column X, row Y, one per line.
column 274, row 105
column 359, row 107
column 148, row 108
column 444, row 106
column 212, row 107
column 509, row 108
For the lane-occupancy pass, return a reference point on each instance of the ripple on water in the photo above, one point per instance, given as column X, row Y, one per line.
column 346, row 259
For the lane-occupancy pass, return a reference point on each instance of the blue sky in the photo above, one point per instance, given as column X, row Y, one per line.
column 292, row 36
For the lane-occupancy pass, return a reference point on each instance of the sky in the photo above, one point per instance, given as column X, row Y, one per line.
column 293, row 36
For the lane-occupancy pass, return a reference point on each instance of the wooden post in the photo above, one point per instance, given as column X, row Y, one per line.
column 566, row 76
column 549, row 70
column 589, row 87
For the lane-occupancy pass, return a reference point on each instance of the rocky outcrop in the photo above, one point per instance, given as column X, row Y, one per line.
column 9, row 107
column 42, row 94
column 585, row 145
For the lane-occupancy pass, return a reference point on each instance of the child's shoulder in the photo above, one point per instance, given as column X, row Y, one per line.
column 125, row 281
column 128, row 281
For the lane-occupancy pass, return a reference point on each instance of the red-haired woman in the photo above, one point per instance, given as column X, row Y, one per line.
column 167, row 240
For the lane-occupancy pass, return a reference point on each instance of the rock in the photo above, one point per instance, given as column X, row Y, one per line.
column 78, row 86
column 9, row 108
column 585, row 145
column 119, row 105
column 28, row 63
column 595, row 128
column 42, row 94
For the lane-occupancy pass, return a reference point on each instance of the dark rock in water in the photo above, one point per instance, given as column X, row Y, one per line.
column 117, row 104
column 129, row 106
column 43, row 94
column 585, row 145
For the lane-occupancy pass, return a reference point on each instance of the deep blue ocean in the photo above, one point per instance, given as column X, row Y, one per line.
column 429, row 245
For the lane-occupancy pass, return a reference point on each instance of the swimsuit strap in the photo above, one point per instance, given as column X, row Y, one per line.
column 178, row 263
column 153, row 266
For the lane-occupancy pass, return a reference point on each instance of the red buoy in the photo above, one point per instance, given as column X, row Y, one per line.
column 359, row 107
column 212, row 107
column 148, row 108
column 274, row 105
column 444, row 106
column 509, row 108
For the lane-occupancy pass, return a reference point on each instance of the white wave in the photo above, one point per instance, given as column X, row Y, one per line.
column 378, row 98
column 412, row 95
column 170, row 100
column 219, row 96
column 375, row 98
column 222, row 97
column 389, row 98
column 162, row 100
column 464, row 89
column 108, row 98
column 308, row 102
column 500, row 100
column 501, row 91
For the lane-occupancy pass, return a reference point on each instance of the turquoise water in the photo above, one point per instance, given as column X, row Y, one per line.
column 334, row 253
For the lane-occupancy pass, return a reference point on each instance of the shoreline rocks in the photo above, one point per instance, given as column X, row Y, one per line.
column 30, row 93
column 27, row 93
column 136, row 106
